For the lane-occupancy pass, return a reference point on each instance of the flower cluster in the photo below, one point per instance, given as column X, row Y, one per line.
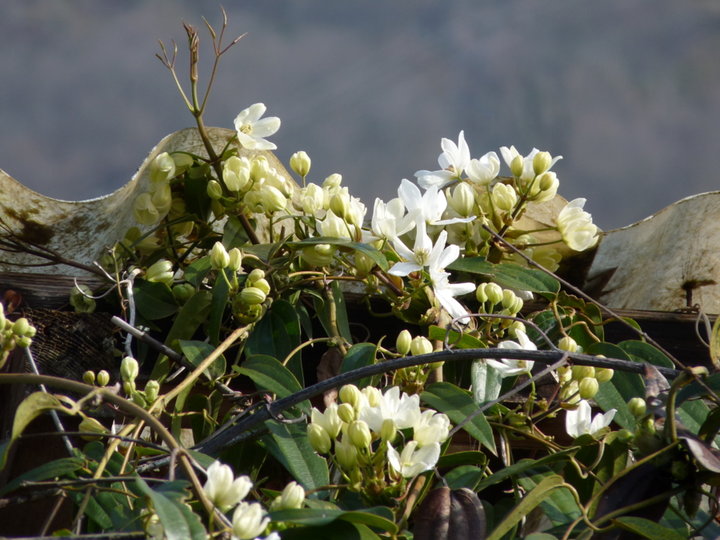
column 13, row 334
column 362, row 436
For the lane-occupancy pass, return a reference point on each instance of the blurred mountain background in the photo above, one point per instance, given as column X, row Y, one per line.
column 628, row 91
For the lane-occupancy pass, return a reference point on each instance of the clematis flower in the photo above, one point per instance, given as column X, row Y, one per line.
column 389, row 220
column 445, row 292
column 578, row 422
column 453, row 161
column 223, row 489
column 249, row 521
column 428, row 207
column 484, row 170
column 576, row 226
column 252, row 129
column 403, row 409
column 413, row 460
column 432, row 427
column 528, row 170
column 329, row 420
column 508, row 367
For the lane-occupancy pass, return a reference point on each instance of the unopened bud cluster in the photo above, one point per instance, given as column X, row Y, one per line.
column 14, row 334
column 248, row 303
column 580, row 382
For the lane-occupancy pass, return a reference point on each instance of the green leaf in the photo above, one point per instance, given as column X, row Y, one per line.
column 639, row 351
column 522, row 466
column 458, row 405
column 234, row 234
column 197, row 351
column 377, row 257
column 29, row 409
column 508, row 275
column 153, row 300
column 52, row 469
column 647, row 528
column 277, row 334
column 335, row 530
column 359, row 355
column 271, row 376
column 455, row 339
column 178, row 520
column 379, row 517
column 196, row 272
column 466, row 476
column 559, row 505
column 530, row 501
column 486, row 382
column 289, row 444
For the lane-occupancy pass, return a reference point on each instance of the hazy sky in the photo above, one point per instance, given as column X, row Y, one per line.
column 625, row 90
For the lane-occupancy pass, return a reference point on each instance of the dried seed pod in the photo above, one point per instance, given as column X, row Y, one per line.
column 447, row 514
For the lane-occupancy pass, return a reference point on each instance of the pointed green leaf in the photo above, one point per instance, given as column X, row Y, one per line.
column 178, row 520
column 359, row 355
column 153, row 300
column 271, row 376
column 509, row 275
column 289, row 444
column 52, row 469
column 377, row 257
column 197, row 351
column 647, row 528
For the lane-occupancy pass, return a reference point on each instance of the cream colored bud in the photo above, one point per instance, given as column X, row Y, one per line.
column 300, row 163
column 162, row 168
column 541, row 162
column 144, row 210
column 517, row 166
column 462, row 199
column 359, row 434
column 564, row 374
column 236, row 173
column 588, row 387
column 332, row 181
column 603, row 374
column 272, row 199
column 103, row 378
column 637, row 407
column 129, row 369
column 319, row 438
column 214, row 190
column 346, row 454
column 346, row 412
column 420, row 345
column 351, row 395
column 388, row 430
column 567, row 343
column 508, row 300
column 235, row 262
column 162, row 199
column 252, row 296
column 292, row 496
column 318, row 255
column 152, row 389
column 339, row 205
column 373, row 395
column 219, row 257
column 494, row 293
column 480, row 293
column 255, row 275
column 262, row 284
column 504, row 197
column 580, row 372
column 160, row 272
column 403, row 342
column 89, row 377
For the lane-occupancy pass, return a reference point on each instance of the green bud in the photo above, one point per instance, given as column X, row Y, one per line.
column 23, row 341
column 403, row 342
column 255, row 275
column 89, row 377
column 152, row 389
column 480, row 293
column 494, row 293
column 637, row 407
column 346, row 412
column 567, row 343
column 160, row 272
column 339, row 205
column 420, row 345
column 319, row 438
column 219, row 257
column 588, row 387
column 129, row 388
column 214, row 190
column 129, row 369
column 183, row 292
column 359, row 434
column 318, row 255
column 292, row 497
column 235, row 262
column 300, row 163
column 350, row 394
column 103, row 378
column 263, row 285
column 81, row 301
column 346, row 454
column 137, row 398
column 21, row 326
column 90, row 425
column 517, row 166
column 603, row 374
column 252, row 296
column 580, row 372
column 541, row 162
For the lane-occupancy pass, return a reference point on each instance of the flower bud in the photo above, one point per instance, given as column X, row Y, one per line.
column 162, row 199
column 219, row 257
column 509, row 300
column 350, row 394
column 603, row 374
column 183, row 292
column 319, row 438
column 388, row 430
column 300, row 163
column 403, row 342
column 235, row 260
column 567, row 343
column 588, row 387
column 236, row 173
column 346, row 454
column 580, row 372
column 373, row 395
column 504, row 197
column 494, row 293
column 103, row 378
column 420, row 345
column 480, row 293
column 318, row 255
column 81, row 299
column 144, row 210
column 252, row 296
column 160, row 272
column 517, row 166
column 637, row 407
column 90, row 425
column 291, row 497
column 21, row 326
column 272, row 199
column 256, row 274
column 359, row 434
column 262, row 284
column 129, row 369
column 89, row 377
column 214, row 190
column 346, row 412
column 332, row 181
column 23, row 342
column 162, row 168
column 541, row 162
column 152, row 389
column 462, row 199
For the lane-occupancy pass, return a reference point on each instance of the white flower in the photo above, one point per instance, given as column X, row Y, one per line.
column 428, row 207
column 413, row 460
column 431, row 427
column 578, row 422
column 576, row 226
column 453, row 161
column 249, row 521
column 404, row 410
column 251, row 130
column 508, row 367
column 484, row 170
column 445, row 292
column 329, row 420
column 291, row 497
column 333, row 226
column 389, row 220
column 223, row 489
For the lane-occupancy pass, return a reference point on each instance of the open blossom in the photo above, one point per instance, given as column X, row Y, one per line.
column 484, row 170
column 453, row 161
column 403, row 409
column 252, row 129
column 413, row 460
column 576, row 226
column 223, row 489
column 428, row 207
column 445, row 292
column 579, row 422
column 432, row 427
column 389, row 220
column 509, row 367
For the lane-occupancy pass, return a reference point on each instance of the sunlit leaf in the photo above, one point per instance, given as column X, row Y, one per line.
column 197, row 351
column 271, row 376
column 153, row 301
column 178, row 520
column 508, row 275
